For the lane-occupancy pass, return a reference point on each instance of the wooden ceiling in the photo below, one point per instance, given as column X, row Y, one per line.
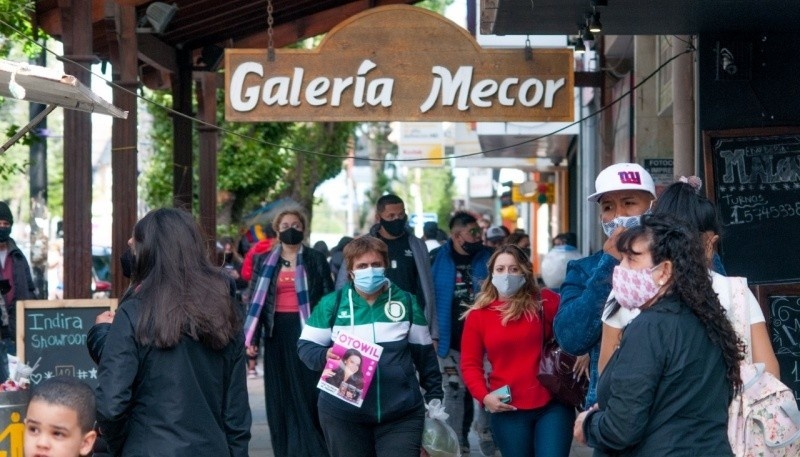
column 225, row 23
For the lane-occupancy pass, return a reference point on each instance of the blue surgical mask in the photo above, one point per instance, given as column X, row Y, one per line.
column 369, row 280
column 621, row 221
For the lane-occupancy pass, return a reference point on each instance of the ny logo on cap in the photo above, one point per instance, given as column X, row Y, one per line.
column 630, row 177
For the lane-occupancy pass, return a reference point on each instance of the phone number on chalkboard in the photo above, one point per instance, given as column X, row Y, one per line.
column 745, row 214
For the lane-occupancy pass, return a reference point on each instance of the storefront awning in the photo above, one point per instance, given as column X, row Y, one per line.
column 49, row 87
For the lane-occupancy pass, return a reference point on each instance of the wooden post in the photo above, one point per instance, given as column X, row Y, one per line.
column 207, row 107
column 76, row 17
column 124, row 163
column 182, row 133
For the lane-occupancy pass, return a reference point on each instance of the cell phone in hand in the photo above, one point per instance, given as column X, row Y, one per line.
column 504, row 393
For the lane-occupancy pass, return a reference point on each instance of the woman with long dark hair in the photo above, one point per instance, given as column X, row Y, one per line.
column 172, row 372
column 287, row 283
column 667, row 387
column 683, row 200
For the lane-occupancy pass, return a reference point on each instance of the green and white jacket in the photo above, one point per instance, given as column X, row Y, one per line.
column 396, row 323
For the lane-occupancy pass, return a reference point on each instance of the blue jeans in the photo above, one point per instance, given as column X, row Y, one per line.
column 542, row 432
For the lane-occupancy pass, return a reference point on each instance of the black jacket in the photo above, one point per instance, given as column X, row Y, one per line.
column 186, row 401
column 664, row 391
column 22, row 284
column 318, row 274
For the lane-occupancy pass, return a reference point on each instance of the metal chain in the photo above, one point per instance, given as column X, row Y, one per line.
column 270, row 42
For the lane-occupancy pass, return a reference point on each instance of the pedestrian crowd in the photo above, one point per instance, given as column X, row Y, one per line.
column 459, row 317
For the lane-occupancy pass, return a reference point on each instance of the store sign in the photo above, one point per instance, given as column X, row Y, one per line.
column 401, row 63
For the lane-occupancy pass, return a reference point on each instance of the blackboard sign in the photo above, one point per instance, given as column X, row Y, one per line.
column 753, row 176
column 55, row 330
column 781, row 306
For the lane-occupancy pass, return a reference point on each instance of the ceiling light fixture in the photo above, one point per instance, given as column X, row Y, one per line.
column 158, row 15
column 577, row 43
column 594, row 23
column 587, row 36
column 579, row 46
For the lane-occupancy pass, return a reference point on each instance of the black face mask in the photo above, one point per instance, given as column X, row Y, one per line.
column 472, row 248
column 127, row 260
column 291, row 236
column 5, row 234
column 396, row 227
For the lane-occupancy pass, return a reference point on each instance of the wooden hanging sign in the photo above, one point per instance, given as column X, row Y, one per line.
column 399, row 63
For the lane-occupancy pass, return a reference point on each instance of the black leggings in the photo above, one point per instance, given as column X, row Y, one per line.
column 401, row 437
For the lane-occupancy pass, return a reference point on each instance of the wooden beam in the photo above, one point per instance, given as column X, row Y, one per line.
column 311, row 25
column 182, row 133
column 207, row 112
column 156, row 53
column 50, row 20
column 76, row 16
column 588, row 79
column 124, row 141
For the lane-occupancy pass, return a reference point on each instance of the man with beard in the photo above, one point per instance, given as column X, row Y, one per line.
column 408, row 265
column 459, row 267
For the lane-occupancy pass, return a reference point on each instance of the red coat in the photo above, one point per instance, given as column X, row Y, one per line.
column 513, row 351
column 259, row 248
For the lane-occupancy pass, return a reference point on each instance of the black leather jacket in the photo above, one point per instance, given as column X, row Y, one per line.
column 186, row 401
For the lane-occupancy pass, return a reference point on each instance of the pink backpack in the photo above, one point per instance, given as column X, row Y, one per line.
column 763, row 420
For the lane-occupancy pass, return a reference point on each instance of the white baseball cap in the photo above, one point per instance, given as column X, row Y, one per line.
column 623, row 176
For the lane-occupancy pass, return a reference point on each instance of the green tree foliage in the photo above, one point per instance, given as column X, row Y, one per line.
column 436, row 190
column 257, row 162
column 16, row 28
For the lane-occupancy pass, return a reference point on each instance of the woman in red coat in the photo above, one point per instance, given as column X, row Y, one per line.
column 505, row 325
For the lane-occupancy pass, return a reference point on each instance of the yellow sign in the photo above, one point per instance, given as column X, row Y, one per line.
column 400, row 63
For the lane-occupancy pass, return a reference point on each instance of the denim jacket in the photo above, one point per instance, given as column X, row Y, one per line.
column 578, row 325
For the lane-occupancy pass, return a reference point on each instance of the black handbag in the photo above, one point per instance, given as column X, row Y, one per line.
column 556, row 375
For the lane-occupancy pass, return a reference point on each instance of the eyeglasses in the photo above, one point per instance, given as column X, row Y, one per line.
column 296, row 226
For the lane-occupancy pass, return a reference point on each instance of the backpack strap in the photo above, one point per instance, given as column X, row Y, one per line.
column 741, row 314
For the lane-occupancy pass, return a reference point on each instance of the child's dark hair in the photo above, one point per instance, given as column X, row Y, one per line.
column 68, row 392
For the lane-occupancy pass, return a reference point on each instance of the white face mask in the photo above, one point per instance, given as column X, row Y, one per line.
column 508, row 285
column 621, row 221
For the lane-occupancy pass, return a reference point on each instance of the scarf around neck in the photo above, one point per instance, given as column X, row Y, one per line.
column 262, row 288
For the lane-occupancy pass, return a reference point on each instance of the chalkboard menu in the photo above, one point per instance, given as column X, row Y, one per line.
column 781, row 306
column 753, row 176
column 55, row 331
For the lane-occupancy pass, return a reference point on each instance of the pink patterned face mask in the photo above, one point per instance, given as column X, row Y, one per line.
column 634, row 288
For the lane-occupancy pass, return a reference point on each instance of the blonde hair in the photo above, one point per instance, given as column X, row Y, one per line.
column 276, row 222
column 525, row 302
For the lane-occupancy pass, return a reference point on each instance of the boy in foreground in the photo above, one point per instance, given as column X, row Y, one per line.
column 60, row 419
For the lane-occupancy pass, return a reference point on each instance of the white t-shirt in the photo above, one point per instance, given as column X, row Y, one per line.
column 721, row 286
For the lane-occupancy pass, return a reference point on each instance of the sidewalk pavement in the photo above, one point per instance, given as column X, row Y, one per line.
column 261, row 446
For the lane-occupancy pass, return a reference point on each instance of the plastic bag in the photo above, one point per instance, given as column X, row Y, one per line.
column 438, row 438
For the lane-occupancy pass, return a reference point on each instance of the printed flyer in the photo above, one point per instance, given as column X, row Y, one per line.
column 349, row 377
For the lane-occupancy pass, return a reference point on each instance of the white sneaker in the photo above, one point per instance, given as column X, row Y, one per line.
column 252, row 374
